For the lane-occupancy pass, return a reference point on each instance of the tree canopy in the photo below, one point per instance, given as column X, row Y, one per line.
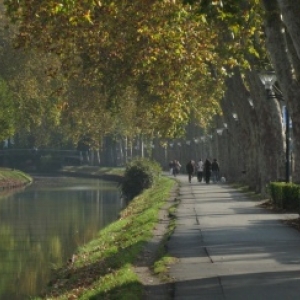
column 152, row 64
column 161, row 49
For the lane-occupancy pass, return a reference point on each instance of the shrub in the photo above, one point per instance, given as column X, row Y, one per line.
column 285, row 195
column 139, row 174
column 290, row 193
column 276, row 193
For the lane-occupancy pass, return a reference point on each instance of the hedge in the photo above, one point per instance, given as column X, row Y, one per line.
column 285, row 195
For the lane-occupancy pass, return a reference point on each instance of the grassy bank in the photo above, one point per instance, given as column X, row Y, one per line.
column 10, row 178
column 92, row 170
column 103, row 268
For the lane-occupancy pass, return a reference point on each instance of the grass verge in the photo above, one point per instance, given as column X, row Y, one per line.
column 10, row 177
column 103, row 268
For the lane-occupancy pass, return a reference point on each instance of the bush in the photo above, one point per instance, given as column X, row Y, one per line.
column 285, row 195
column 276, row 193
column 139, row 174
column 291, row 196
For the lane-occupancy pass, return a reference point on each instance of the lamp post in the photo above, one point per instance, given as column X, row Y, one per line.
column 268, row 79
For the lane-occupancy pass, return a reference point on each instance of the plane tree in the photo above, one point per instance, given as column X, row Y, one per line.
column 35, row 93
column 160, row 48
column 282, row 41
column 7, row 112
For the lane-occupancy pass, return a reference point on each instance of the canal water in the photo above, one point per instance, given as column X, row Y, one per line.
column 42, row 226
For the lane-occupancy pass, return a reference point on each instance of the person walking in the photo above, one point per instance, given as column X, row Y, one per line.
column 215, row 170
column 200, row 170
column 176, row 167
column 207, row 170
column 190, row 169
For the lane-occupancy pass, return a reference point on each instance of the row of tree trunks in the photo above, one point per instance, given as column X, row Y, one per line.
column 280, row 37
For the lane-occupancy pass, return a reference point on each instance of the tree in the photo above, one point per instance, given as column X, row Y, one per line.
column 286, row 63
column 161, row 48
column 7, row 112
column 35, row 93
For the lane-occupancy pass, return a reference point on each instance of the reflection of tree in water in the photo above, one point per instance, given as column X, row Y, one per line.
column 8, row 192
column 40, row 230
column 20, row 274
column 7, row 255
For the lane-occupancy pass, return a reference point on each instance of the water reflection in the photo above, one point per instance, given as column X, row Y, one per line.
column 42, row 226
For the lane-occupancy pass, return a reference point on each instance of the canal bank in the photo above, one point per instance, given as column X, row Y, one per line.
column 103, row 173
column 12, row 179
column 116, row 265
column 42, row 226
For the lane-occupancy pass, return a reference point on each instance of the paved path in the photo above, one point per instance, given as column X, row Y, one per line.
column 228, row 248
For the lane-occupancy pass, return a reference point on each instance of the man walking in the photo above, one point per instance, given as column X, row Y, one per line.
column 215, row 170
column 190, row 169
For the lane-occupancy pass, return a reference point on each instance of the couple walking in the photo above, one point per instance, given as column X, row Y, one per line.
column 207, row 170
column 211, row 170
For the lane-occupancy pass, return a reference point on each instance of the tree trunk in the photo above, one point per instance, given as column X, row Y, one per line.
column 232, row 135
column 290, row 10
column 277, row 47
column 247, row 130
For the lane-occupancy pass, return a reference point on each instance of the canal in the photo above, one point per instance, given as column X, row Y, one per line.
column 42, row 226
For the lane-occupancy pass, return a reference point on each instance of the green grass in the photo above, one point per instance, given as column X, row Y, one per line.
column 7, row 174
column 103, row 268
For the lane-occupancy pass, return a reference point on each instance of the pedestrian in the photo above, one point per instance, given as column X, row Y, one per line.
column 171, row 166
column 190, row 169
column 176, row 167
column 215, row 170
column 200, row 170
column 207, row 170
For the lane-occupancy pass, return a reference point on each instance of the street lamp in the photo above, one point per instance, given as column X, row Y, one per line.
column 268, row 79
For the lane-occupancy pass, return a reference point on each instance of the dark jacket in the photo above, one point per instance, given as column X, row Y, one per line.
column 207, row 166
column 190, row 168
column 215, row 166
